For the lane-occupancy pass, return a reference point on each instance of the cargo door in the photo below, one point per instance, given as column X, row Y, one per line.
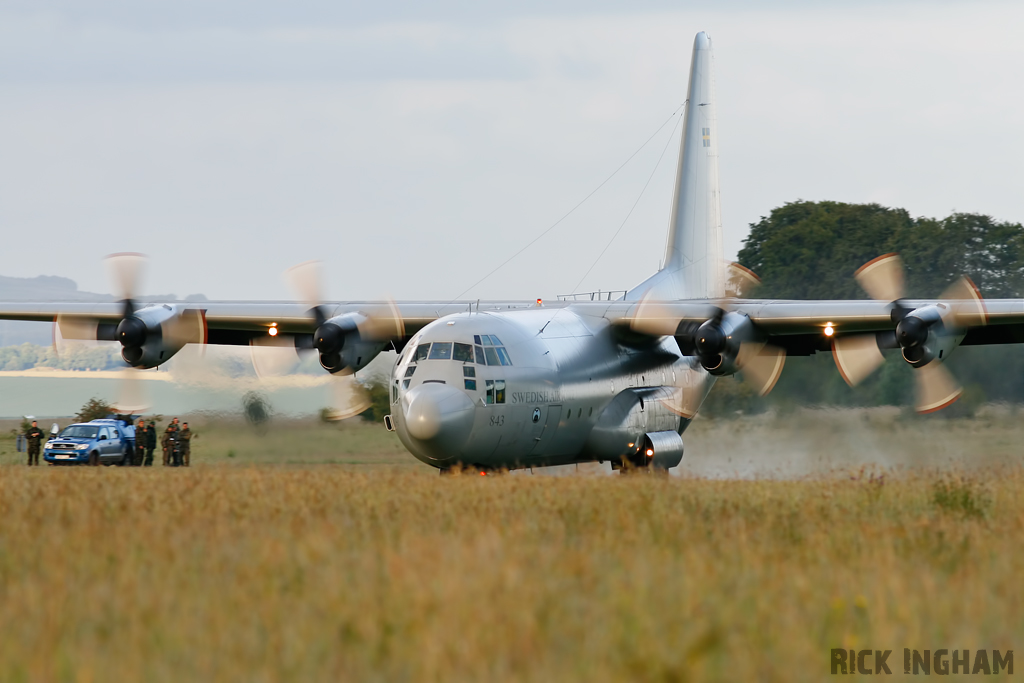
column 544, row 436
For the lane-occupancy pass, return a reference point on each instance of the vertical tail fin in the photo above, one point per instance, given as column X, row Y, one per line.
column 694, row 261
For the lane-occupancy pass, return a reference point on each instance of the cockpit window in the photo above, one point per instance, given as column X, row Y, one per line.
column 492, row 355
column 495, row 341
column 421, row 352
column 410, row 370
column 486, row 338
column 463, row 353
column 441, row 351
column 503, row 355
column 476, row 339
column 480, row 355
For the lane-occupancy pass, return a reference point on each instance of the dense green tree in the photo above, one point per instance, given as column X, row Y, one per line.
column 810, row 250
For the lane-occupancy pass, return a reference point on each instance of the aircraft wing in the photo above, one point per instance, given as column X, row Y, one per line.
column 799, row 326
column 237, row 323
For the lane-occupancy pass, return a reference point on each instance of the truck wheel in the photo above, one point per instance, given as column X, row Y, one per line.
column 94, row 459
column 125, row 458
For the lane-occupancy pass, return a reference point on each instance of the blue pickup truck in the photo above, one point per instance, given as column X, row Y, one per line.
column 107, row 442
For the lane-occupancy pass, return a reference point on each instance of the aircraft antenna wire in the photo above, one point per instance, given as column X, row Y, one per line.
column 573, row 209
column 657, row 165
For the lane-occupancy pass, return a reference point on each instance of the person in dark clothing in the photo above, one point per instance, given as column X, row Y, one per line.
column 185, row 443
column 140, row 444
column 168, row 441
column 33, row 437
column 150, row 444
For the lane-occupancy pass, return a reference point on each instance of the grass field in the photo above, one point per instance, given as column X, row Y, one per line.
column 234, row 570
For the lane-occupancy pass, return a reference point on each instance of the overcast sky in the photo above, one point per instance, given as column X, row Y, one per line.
column 413, row 147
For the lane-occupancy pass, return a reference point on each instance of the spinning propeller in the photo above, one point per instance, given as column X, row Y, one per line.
column 925, row 336
column 344, row 343
column 724, row 343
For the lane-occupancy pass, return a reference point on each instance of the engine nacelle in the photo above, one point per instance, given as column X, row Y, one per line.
column 341, row 346
column 923, row 336
column 662, row 450
column 717, row 342
column 151, row 336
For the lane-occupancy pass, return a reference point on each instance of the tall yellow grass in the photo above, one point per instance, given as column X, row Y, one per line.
column 392, row 574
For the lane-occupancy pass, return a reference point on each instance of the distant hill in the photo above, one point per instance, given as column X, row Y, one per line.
column 50, row 288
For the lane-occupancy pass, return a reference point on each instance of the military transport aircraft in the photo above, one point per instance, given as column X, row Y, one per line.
column 512, row 384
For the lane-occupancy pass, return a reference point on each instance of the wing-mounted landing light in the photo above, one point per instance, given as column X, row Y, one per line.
column 925, row 336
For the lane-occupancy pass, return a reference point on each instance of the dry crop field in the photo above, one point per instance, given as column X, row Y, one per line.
column 239, row 571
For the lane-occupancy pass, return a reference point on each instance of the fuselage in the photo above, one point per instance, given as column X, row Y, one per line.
column 534, row 387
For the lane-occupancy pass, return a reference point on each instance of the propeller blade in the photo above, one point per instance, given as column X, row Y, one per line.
column 741, row 281
column 936, row 387
column 882, row 277
column 70, row 328
column 653, row 318
column 685, row 401
column 761, row 365
column 383, row 322
column 856, row 356
column 126, row 272
column 306, row 280
column 348, row 397
column 188, row 327
column 273, row 356
column 968, row 307
column 131, row 394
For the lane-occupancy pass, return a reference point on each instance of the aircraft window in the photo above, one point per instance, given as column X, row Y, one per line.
column 441, row 351
column 405, row 383
column 499, row 391
column 490, row 391
column 480, row 355
column 463, row 353
column 421, row 352
column 468, row 371
column 410, row 370
column 433, row 381
column 470, row 384
column 476, row 339
column 487, row 340
column 492, row 356
column 394, row 392
column 496, row 341
column 503, row 355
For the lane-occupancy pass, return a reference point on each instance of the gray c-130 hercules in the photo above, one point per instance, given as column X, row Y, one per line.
column 505, row 384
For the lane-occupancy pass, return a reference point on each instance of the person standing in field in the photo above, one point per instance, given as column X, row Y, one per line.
column 140, row 444
column 150, row 443
column 33, row 437
column 185, row 443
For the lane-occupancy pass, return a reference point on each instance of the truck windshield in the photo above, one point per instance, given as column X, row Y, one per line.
column 80, row 432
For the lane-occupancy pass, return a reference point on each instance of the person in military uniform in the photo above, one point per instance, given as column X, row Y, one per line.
column 140, row 444
column 185, row 442
column 150, row 444
column 33, row 437
column 169, row 434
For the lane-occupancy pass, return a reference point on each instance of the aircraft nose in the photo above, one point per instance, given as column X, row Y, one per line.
column 439, row 414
